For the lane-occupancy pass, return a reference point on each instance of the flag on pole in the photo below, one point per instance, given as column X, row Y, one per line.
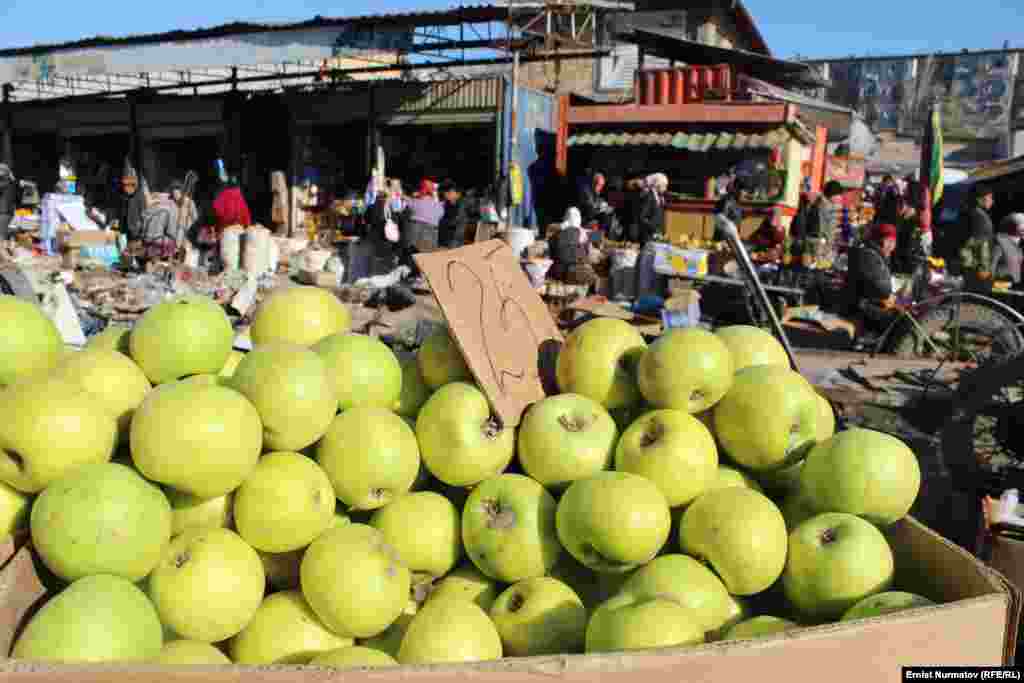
column 932, row 168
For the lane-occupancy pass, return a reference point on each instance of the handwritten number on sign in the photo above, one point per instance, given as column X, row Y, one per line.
column 507, row 308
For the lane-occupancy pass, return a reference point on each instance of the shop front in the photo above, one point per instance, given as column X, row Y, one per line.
column 697, row 142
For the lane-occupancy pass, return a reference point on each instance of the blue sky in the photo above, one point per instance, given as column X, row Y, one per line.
column 790, row 26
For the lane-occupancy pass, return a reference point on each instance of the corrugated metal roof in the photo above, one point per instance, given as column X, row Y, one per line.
column 456, row 15
column 685, row 141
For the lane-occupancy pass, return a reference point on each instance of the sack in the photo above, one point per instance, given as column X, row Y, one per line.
column 391, row 232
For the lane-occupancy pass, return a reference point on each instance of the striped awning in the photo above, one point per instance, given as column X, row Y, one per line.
column 683, row 141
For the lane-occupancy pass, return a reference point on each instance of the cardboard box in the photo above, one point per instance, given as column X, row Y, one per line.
column 73, row 239
column 976, row 627
column 320, row 278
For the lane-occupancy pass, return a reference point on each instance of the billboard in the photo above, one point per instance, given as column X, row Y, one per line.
column 975, row 92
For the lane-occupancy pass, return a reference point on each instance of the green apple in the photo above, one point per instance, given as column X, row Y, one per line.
column 363, row 371
column 390, row 639
column 292, row 392
column 114, row 337
column 14, row 510
column 285, row 503
column 200, row 439
column 282, row 569
column 208, row 585
column 31, row 342
column 98, row 618
column 440, row 361
column 449, row 631
column 508, row 528
column 686, row 369
column 862, row 472
column 466, row 582
column 628, row 622
column 234, row 358
column 540, row 616
column 759, row 627
column 53, row 427
column 101, row 519
column 885, row 603
column 613, row 522
column 354, row 657
column 769, row 418
column 730, row 476
column 752, row 346
column 415, row 391
column 185, row 336
column 460, row 442
column 740, row 534
column 284, row 630
column 190, row 653
column 111, row 377
column 826, row 419
column 835, row 561
column 689, row 583
column 191, row 513
column 565, row 438
column 672, row 449
column 424, row 528
column 371, row 457
column 299, row 315
column 599, row 360
column 354, row 581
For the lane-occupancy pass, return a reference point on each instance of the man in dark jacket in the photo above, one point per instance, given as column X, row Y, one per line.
column 8, row 199
column 869, row 292
column 451, row 231
column 976, row 254
column 589, row 201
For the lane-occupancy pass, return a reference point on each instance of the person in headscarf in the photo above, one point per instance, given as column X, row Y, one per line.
column 570, row 250
column 279, row 203
column 869, row 287
column 187, row 214
column 8, row 199
column 230, row 207
column 424, row 216
column 650, row 220
column 1006, row 252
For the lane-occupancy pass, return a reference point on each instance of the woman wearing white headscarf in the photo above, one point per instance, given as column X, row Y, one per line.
column 650, row 219
column 1006, row 252
column 570, row 250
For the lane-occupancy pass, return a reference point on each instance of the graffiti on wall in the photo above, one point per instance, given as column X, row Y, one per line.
column 975, row 92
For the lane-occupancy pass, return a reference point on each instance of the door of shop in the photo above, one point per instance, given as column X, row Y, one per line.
column 463, row 152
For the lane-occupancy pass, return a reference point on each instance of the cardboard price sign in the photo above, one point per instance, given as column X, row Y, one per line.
column 496, row 318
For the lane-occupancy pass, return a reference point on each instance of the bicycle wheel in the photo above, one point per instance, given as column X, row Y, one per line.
column 959, row 331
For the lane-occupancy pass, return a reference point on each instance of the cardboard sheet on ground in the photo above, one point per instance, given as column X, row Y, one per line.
column 497, row 319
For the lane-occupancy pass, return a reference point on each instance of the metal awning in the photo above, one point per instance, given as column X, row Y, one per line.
column 666, row 45
column 692, row 141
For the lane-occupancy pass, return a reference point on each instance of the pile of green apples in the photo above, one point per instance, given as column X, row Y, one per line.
column 322, row 501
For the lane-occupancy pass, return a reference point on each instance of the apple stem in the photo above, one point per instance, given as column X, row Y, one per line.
column 492, row 427
column 516, row 602
column 576, row 423
column 498, row 517
column 654, row 433
column 181, row 559
column 697, row 395
column 828, row 536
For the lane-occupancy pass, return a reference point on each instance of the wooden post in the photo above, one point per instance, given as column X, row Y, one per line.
column 818, row 159
column 562, row 137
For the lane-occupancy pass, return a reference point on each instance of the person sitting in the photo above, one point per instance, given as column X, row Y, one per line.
column 869, row 285
column 1006, row 252
column 570, row 251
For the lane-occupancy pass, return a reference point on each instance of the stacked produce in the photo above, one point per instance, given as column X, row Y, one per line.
column 318, row 501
